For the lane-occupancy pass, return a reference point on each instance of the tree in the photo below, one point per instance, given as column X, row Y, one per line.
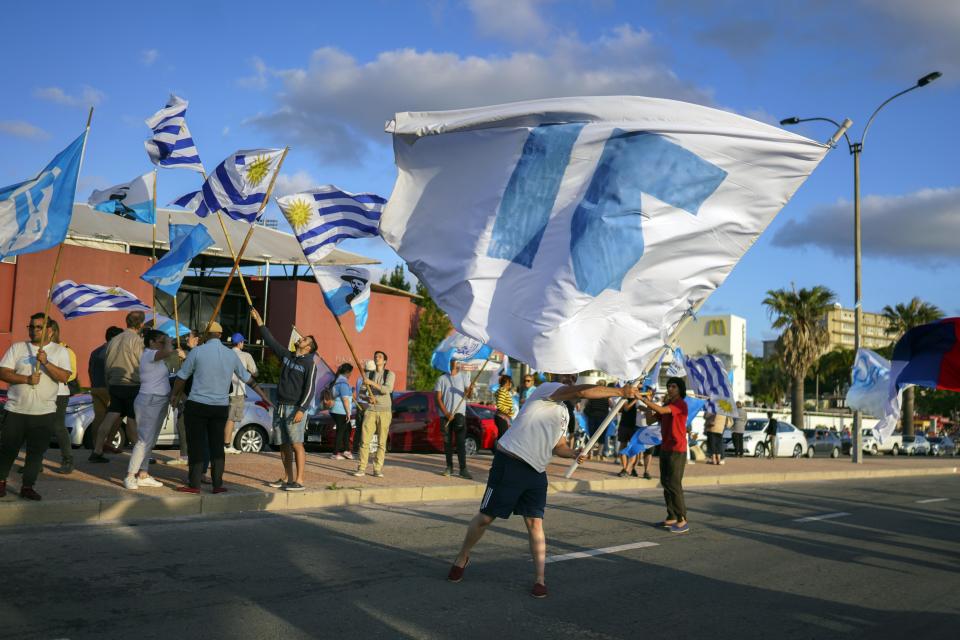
column 768, row 383
column 833, row 369
column 397, row 279
column 432, row 326
column 803, row 337
column 902, row 318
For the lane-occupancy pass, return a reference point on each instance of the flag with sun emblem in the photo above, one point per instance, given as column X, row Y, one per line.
column 321, row 218
column 238, row 186
column 75, row 300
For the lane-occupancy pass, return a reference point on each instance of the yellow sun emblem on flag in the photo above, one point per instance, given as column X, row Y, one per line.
column 115, row 291
column 725, row 405
column 298, row 213
column 258, row 170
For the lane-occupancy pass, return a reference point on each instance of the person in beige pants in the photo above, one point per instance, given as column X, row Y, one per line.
column 377, row 415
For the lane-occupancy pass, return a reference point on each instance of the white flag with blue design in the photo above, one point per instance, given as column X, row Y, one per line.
column 457, row 346
column 238, row 186
column 871, row 392
column 707, row 377
column 321, row 218
column 75, row 300
column 133, row 200
column 676, row 368
column 574, row 233
column 171, row 145
column 346, row 289
column 168, row 325
column 35, row 214
column 170, row 270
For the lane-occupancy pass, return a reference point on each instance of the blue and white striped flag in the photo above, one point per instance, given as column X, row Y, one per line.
column 171, row 145
column 321, row 218
column 707, row 377
column 238, row 186
column 75, row 300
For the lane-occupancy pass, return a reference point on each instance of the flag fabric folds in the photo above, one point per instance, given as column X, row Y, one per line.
column 168, row 325
column 676, row 368
column 35, row 214
column 323, row 217
column 457, row 346
column 651, row 380
column 168, row 273
column 133, row 200
column 643, row 439
column 171, row 145
column 929, row 356
column 346, row 288
column 75, row 300
column 593, row 221
column 707, row 377
column 238, row 186
column 871, row 392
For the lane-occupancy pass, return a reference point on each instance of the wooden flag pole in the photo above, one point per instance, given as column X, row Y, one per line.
column 463, row 399
column 353, row 353
column 233, row 254
column 56, row 263
column 243, row 247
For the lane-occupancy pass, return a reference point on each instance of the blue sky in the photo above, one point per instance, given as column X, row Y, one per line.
column 324, row 77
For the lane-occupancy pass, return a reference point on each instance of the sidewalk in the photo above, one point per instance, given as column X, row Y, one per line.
column 95, row 493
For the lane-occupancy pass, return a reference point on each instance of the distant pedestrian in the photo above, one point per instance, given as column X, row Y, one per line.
column 672, row 416
column 174, row 362
column 504, row 401
column 527, row 388
column 452, row 394
column 596, row 411
column 340, row 412
column 377, row 417
column 625, row 431
column 97, row 372
column 714, row 426
column 123, row 384
column 739, row 428
column 771, row 433
column 360, row 394
column 238, row 393
column 34, row 376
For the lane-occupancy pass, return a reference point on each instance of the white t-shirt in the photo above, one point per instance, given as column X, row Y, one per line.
column 154, row 375
column 538, row 428
column 237, row 386
column 40, row 399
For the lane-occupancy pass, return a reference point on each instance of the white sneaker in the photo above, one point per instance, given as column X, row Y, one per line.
column 149, row 481
column 178, row 462
column 348, row 455
column 722, row 462
column 130, row 482
column 230, row 449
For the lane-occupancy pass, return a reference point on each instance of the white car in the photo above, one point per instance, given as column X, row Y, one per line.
column 790, row 443
column 892, row 444
column 916, row 445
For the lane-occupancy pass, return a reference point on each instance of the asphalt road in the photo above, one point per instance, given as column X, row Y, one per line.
column 760, row 562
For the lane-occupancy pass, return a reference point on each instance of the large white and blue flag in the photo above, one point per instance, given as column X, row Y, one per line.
column 238, row 186
column 652, row 379
column 321, row 218
column 643, row 438
column 169, row 271
column 575, row 233
column 171, row 145
column 708, row 377
column 35, row 214
column 676, row 368
column 133, row 200
column 871, row 392
column 75, row 300
column 457, row 346
column 345, row 289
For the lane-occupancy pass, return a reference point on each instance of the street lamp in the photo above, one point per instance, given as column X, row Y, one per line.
column 856, row 148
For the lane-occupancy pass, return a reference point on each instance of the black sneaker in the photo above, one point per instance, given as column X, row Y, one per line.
column 466, row 475
column 278, row 484
column 447, row 472
column 622, row 474
column 647, row 476
column 98, row 457
column 293, row 486
column 634, row 473
column 66, row 467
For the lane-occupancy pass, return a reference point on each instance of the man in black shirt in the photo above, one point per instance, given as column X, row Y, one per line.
column 771, row 432
column 97, row 370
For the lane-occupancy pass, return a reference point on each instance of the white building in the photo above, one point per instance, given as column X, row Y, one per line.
column 724, row 336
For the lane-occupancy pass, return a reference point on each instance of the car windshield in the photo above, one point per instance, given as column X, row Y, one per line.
column 756, row 425
column 810, row 432
column 936, row 440
column 867, row 432
column 908, row 438
column 483, row 413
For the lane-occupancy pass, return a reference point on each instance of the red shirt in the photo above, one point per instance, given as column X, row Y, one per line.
column 673, row 427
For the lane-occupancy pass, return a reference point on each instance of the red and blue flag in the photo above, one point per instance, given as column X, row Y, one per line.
column 929, row 356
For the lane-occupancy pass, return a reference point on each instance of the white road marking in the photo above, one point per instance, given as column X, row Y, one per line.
column 826, row 516
column 929, row 500
column 599, row 552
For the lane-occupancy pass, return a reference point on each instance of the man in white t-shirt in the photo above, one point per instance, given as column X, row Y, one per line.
column 31, row 402
column 518, row 480
column 238, row 392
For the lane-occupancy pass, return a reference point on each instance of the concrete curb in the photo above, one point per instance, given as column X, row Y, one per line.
column 149, row 507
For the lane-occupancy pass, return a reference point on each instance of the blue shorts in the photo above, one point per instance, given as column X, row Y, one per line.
column 514, row 487
column 290, row 432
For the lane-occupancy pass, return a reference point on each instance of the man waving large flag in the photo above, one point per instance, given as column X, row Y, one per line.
column 575, row 233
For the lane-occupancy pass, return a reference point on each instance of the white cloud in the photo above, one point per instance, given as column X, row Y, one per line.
column 260, row 77
column 293, row 183
column 149, row 56
column 338, row 105
column 920, row 227
column 225, row 132
column 514, row 20
column 22, row 129
column 88, row 96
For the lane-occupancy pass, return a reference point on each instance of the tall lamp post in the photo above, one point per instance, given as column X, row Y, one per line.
column 856, row 148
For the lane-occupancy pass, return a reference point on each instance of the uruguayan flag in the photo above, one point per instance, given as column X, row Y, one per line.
column 676, row 368
column 133, row 200
column 346, row 288
column 171, row 145
column 238, row 186
column 457, row 346
column 871, row 392
column 323, row 217
column 75, row 300
column 168, row 273
column 707, row 377
column 595, row 222
column 35, row 215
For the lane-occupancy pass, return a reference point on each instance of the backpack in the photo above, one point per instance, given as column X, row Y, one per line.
column 326, row 396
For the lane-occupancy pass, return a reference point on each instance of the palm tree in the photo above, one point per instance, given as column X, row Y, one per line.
column 800, row 316
column 902, row 318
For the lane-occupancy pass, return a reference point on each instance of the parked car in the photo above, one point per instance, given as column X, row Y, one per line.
column 791, row 442
column 892, row 444
column 916, row 445
column 824, row 442
column 942, row 446
column 487, row 437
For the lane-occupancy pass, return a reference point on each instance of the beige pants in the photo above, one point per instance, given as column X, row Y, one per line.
column 374, row 422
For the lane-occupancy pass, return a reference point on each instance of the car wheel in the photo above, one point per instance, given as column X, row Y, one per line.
column 797, row 451
column 874, row 450
column 758, row 450
column 120, row 440
column 835, row 453
column 250, row 439
column 471, row 446
column 896, row 450
column 810, row 452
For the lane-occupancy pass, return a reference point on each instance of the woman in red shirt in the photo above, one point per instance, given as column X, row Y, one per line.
column 672, row 417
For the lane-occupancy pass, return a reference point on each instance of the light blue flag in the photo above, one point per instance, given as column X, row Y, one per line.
column 178, row 232
column 133, row 200
column 642, row 440
column 167, row 325
column 870, row 391
column 694, row 406
column 345, row 289
column 35, row 214
column 652, row 378
column 168, row 273
column 457, row 346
